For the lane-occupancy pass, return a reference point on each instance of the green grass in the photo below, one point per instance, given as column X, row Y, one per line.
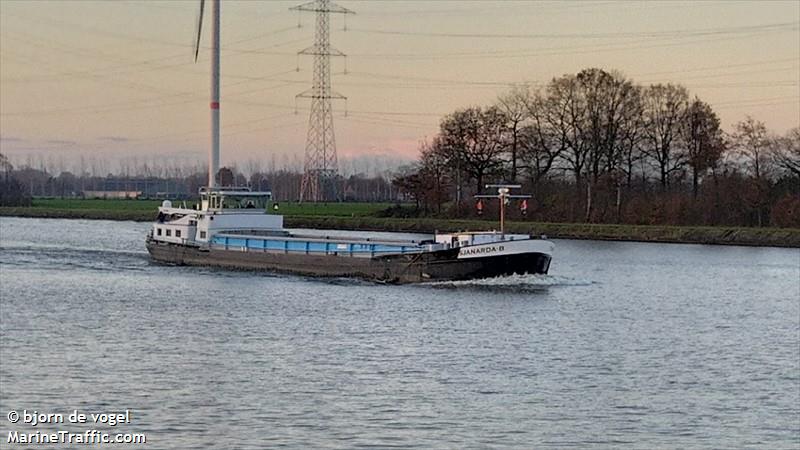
column 96, row 204
column 360, row 216
column 331, row 209
column 778, row 237
column 285, row 208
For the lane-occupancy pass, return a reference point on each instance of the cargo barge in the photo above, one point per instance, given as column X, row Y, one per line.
column 232, row 228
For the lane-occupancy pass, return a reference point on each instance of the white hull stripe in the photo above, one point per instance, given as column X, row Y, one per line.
column 506, row 248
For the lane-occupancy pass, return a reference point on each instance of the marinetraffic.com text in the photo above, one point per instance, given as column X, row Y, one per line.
column 35, row 419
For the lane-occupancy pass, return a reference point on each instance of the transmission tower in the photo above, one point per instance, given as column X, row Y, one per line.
column 321, row 164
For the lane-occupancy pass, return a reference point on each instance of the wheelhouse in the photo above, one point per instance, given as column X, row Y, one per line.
column 234, row 198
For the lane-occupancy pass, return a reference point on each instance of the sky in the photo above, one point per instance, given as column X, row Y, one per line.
column 117, row 80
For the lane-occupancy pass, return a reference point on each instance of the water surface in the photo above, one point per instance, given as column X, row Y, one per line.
column 623, row 345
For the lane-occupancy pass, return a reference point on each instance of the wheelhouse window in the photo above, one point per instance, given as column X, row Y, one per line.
column 177, row 233
column 202, row 235
column 169, row 232
column 258, row 202
column 158, row 231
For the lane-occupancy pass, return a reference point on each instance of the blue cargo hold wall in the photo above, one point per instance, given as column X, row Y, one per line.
column 304, row 246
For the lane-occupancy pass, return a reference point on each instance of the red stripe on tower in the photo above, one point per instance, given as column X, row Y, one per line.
column 214, row 105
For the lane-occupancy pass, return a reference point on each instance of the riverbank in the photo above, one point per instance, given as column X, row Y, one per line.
column 768, row 237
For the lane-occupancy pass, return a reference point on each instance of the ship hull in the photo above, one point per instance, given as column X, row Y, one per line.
column 440, row 265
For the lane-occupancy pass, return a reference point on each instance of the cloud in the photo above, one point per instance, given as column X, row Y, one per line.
column 114, row 139
column 60, row 142
column 11, row 139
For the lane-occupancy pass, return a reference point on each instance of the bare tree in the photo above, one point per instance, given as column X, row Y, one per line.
column 752, row 143
column 785, row 151
column 542, row 140
column 514, row 106
column 664, row 107
column 606, row 97
column 631, row 135
column 473, row 139
column 5, row 166
column 566, row 112
column 703, row 140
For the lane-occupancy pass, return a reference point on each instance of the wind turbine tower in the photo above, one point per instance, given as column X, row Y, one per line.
column 321, row 164
column 213, row 154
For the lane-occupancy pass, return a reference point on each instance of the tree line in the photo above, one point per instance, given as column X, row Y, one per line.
column 19, row 185
column 597, row 147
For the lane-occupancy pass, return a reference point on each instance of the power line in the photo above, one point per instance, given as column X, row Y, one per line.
column 561, row 6
column 765, row 84
column 718, row 75
column 433, row 80
column 152, row 102
column 610, row 47
column 640, row 34
column 756, row 100
column 724, row 66
column 792, row 101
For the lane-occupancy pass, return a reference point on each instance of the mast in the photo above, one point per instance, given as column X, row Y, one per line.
column 503, row 195
column 213, row 157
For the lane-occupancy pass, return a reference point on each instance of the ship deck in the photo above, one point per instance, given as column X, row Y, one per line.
column 322, row 245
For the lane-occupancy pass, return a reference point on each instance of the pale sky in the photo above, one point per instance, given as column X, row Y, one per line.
column 116, row 79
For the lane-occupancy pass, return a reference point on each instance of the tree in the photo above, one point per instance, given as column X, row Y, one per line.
column 408, row 183
column 752, row 143
column 631, row 134
column 566, row 110
column 541, row 141
column 606, row 96
column 514, row 107
column 225, row 177
column 785, row 151
column 472, row 139
column 5, row 166
column 664, row 107
column 703, row 140
column 435, row 170
column 12, row 192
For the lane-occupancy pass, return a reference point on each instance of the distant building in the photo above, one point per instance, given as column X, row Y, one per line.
column 112, row 194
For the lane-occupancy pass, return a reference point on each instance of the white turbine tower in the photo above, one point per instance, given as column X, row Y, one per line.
column 213, row 155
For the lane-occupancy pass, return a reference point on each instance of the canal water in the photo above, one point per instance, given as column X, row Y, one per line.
column 623, row 345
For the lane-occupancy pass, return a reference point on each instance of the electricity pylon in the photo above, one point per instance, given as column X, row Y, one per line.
column 321, row 165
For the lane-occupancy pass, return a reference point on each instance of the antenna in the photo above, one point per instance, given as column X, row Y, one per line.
column 321, row 164
column 213, row 155
column 503, row 194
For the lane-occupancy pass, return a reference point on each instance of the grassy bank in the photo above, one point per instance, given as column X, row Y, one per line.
column 147, row 208
column 360, row 216
column 773, row 237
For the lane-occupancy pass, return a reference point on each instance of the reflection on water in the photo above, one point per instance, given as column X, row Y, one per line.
column 622, row 345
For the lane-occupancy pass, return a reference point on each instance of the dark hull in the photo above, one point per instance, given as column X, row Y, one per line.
column 411, row 268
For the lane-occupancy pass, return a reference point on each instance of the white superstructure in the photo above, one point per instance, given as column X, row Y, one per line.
column 220, row 209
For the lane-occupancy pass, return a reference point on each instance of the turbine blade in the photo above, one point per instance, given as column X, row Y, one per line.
column 199, row 30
